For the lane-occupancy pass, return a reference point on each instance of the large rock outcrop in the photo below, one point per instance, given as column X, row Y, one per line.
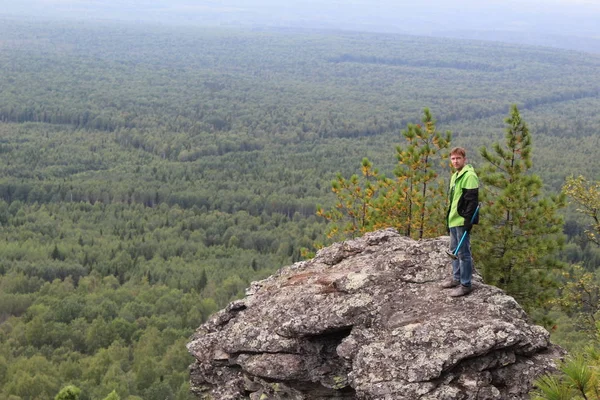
column 366, row 319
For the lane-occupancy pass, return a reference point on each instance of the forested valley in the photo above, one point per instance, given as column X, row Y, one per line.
column 148, row 174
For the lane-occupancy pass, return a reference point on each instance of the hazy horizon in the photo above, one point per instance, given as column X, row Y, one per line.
column 562, row 23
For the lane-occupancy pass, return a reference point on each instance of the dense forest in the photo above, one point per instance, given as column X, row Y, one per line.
column 148, row 174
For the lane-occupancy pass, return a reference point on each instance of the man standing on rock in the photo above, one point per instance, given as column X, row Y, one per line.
column 463, row 199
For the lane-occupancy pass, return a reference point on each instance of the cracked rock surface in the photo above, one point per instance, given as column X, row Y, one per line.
column 366, row 319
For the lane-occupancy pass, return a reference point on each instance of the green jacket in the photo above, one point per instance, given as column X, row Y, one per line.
column 463, row 197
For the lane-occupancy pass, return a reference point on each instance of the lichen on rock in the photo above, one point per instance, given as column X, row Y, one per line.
column 367, row 319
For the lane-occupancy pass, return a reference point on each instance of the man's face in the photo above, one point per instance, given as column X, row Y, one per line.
column 457, row 161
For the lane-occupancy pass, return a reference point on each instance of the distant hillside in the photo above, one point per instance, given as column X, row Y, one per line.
column 578, row 43
column 532, row 21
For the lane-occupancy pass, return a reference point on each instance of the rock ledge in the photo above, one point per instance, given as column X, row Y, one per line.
column 366, row 319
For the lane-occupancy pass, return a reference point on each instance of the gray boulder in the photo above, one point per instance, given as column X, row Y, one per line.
column 366, row 319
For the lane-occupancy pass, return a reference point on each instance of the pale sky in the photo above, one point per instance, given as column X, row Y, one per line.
column 551, row 17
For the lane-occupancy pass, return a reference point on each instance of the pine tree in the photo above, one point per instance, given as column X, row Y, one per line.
column 576, row 379
column 203, row 280
column 354, row 206
column 416, row 206
column 521, row 232
column 413, row 202
column 57, row 254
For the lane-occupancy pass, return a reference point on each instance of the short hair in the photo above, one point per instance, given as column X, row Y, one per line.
column 458, row 150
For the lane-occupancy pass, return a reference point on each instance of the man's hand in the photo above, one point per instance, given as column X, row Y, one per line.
column 468, row 225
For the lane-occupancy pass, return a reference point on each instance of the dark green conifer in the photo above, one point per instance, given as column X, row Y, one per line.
column 516, row 245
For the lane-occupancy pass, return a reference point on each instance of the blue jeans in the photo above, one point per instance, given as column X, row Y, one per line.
column 462, row 269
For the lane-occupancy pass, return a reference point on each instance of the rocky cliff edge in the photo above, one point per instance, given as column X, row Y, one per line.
column 366, row 319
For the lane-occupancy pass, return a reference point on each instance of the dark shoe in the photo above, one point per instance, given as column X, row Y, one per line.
column 450, row 283
column 461, row 291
